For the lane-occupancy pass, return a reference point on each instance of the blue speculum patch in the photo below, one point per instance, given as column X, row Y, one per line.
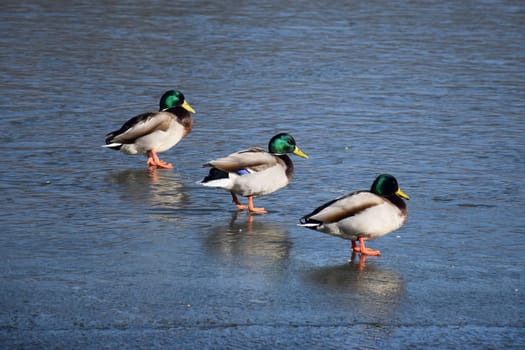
column 242, row 172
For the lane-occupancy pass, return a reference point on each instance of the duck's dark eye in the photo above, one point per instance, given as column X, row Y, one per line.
column 393, row 183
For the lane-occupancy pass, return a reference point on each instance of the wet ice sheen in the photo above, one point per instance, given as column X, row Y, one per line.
column 98, row 252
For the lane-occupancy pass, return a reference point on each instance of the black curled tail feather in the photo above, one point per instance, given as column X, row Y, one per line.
column 303, row 220
column 109, row 137
column 307, row 222
column 108, row 140
column 215, row 174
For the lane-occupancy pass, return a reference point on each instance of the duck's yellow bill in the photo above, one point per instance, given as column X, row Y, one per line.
column 299, row 153
column 187, row 107
column 402, row 194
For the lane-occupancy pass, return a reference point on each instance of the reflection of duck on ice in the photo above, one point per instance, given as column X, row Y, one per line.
column 371, row 292
column 164, row 190
column 249, row 239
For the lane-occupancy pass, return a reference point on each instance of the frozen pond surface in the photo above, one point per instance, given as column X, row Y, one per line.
column 97, row 252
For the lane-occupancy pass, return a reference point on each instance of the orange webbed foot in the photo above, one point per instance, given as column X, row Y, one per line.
column 370, row 252
column 364, row 250
column 164, row 165
column 237, row 203
column 241, row 207
column 254, row 210
column 155, row 163
column 158, row 165
column 257, row 210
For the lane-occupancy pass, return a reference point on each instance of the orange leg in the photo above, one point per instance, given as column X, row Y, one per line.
column 155, row 163
column 355, row 248
column 367, row 251
column 235, row 200
column 252, row 209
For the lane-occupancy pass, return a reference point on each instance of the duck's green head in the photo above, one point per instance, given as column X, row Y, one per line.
column 386, row 185
column 284, row 143
column 174, row 98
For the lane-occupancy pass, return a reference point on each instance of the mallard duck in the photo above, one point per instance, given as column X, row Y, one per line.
column 254, row 172
column 154, row 132
column 362, row 215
